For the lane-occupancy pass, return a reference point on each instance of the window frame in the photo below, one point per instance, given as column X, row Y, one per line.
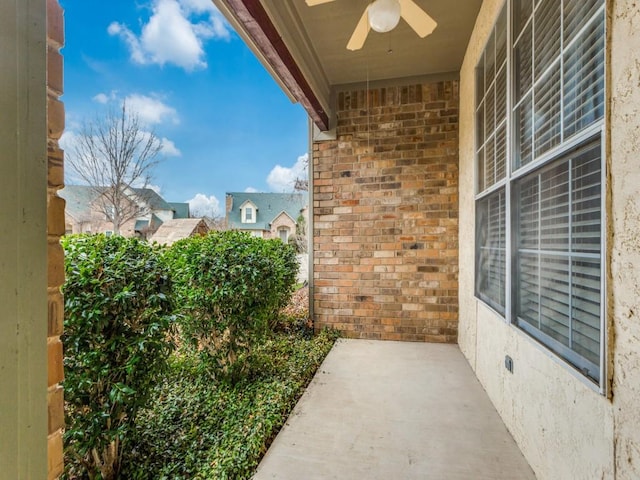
column 566, row 354
column 248, row 212
column 503, row 183
column 287, row 232
column 567, row 144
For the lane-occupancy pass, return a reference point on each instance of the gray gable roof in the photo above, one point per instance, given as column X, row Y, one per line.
column 152, row 198
column 180, row 210
column 269, row 206
column 80, row 197
column 78, row 200
column 173, row 230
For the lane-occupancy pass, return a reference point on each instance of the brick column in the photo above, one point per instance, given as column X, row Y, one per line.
column 55, row 228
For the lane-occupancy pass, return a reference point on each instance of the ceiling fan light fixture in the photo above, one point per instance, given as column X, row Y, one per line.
column 384, row 15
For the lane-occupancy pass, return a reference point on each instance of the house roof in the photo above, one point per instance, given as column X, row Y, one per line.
column 180, row 210
column 153, row 223
column 78, row 200
column 141, row 225
column 152, row 198
column 173, row 230
column 80, row 197
column 268, row 205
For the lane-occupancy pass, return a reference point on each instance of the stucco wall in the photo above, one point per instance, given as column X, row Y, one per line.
column 564, row 427
column 624, row 231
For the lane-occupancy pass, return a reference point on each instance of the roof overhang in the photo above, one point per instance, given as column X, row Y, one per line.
column 304, row 48
column 282, row 213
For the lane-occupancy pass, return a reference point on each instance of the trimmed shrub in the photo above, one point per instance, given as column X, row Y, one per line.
column 117, row 313
column 198, row 429
column 230, row 286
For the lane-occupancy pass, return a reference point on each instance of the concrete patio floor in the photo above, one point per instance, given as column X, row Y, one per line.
column 393, row 410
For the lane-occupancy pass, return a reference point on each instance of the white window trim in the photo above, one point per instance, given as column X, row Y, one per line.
column 511, row 175
column 243, row 212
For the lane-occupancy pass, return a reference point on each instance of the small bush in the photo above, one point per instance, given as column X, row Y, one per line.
column 294, row 318
column 117, row 312
column 230, row 286
column 196, row 429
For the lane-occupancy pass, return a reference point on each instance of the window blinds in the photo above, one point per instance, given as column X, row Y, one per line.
column 559, row 70
column 558, row 255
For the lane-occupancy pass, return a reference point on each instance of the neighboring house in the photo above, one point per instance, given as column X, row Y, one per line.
column 173, row 230
column 266, row 215
column 85, row 214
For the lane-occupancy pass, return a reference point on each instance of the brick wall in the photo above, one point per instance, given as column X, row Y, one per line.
column 385, row 198
column 282, row 221
column 55, row 228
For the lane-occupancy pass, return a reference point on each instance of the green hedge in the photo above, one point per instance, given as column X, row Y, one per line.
column 230, row 286
column 223, row 293
column 117, row 312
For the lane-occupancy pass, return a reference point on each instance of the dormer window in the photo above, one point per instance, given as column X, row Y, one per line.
column 248, row 212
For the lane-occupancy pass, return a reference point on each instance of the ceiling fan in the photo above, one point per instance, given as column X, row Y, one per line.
column 383, row 16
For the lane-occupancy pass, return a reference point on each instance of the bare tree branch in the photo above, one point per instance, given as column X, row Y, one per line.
column 115, row 155
column 302, row 184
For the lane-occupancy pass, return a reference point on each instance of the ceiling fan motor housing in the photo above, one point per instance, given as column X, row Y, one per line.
column 384, row 15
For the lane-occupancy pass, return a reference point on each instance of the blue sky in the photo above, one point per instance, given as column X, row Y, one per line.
column 225, row 124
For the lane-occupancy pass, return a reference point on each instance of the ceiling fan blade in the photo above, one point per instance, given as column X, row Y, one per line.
column 417, row 18
column 359, row 35
column 313, row 3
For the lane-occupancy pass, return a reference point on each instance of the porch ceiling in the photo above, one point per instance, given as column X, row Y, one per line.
column 305, row 47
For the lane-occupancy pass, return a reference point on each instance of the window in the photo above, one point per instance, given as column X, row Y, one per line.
column 491, row 250
column 491, row 111
column 491, row 135
column 539, row 190
column 558, row 256
column 248, row 213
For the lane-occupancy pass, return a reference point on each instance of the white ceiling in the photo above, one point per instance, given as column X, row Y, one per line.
column 396, row 54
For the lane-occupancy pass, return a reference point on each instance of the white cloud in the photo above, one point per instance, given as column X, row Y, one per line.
column 216, row 25
column 198, row 6
column 174, row 33
column 251, row 190
column 169, row 148
column 283, row 179
column 105, row 98
column 202, row 205
column 68, row 140
column 121, row 30
column 155, row 188
column 150, row 110
column 101, row 98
